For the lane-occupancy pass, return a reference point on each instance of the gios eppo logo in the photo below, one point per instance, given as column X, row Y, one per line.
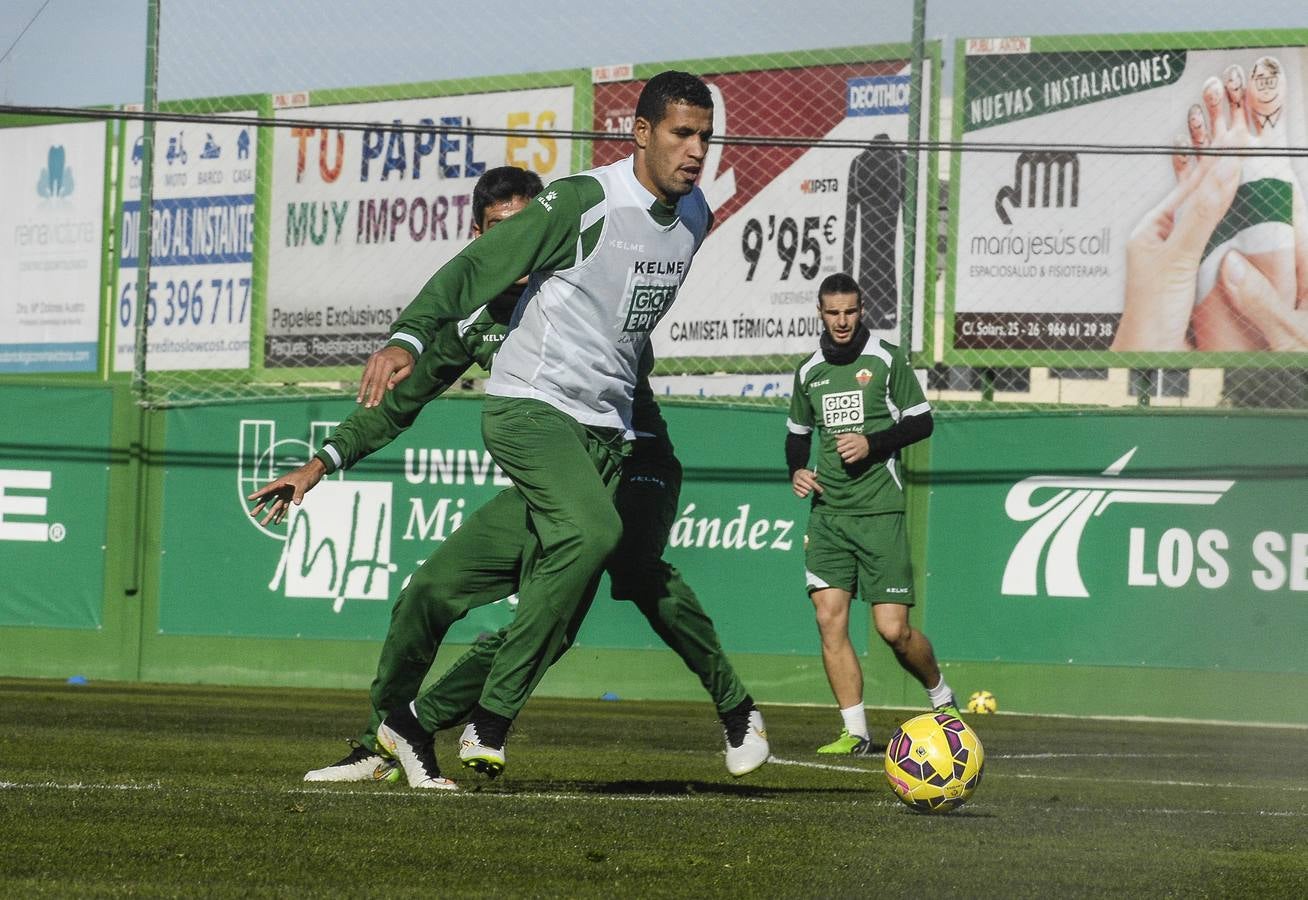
column 842, row 408
column 336, row 545
column 648, row 304
column 1059, row 519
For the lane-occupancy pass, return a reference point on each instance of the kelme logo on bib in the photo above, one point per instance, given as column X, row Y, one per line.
column 844, row 408
column 648, row 304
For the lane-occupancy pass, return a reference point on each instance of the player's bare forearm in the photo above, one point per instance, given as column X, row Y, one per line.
column 275, row 497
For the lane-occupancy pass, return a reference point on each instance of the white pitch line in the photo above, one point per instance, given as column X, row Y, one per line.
column 1164, row 811
column 992, row 774
column 1164, row 720
column 1008, row 713
column 1094, row 756
column 76, row 786
column 879, row 756
column 1156, row 782
column 778, row 761
column 534, row 795
column 385, row 794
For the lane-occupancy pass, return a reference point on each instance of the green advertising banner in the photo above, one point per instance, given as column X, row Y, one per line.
column 739, row 537
column 1070, row 201
column 1120, row 539
column 52, row 506
column 333, row 569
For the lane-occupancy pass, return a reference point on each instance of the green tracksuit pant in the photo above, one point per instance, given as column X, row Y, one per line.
column 482, row 561
column 567, row 473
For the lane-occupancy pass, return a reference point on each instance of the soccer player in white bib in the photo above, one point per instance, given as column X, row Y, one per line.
column 861, row 396
column 481, row 561
column 606, row 251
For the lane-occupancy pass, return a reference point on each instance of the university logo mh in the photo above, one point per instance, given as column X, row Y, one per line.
column 1060, row 518
column 337, row 544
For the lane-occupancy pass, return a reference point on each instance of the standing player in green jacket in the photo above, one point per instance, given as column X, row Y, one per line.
column 481, row 561
column 862, row 397
column 607, row 251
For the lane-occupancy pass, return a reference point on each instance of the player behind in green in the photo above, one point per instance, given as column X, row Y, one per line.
column 862, row 397
column 607, row 251
column 481, row 561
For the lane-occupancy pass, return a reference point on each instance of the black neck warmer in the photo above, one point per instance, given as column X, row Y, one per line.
column 843, row 354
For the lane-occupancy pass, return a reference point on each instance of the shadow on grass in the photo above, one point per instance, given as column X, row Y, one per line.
column 664, row 788
column 957, row 815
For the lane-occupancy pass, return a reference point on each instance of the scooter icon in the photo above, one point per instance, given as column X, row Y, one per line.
column 176, row 152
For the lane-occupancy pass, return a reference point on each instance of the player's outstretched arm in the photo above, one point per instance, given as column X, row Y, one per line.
column 541, row 238
column 275, row 497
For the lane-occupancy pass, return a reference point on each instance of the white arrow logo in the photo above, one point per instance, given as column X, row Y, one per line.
column 1060, row 520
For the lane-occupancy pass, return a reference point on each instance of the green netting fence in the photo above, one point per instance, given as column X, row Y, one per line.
column 1093, row 211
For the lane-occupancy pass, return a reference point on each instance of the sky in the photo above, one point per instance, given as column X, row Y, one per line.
column 88, row 52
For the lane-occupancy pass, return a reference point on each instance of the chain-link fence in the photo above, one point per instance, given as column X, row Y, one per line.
column 1044, row 219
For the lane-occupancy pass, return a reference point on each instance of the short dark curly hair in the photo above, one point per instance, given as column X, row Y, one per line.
column 839, row 283
column 671, row 87
column 502, row 183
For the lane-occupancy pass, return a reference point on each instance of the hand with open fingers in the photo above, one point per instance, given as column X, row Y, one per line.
column 384, row 369
column 804, row 482
column 275, row 497
column 852, row 447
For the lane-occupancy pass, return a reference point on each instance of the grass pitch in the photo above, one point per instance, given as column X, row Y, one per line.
column 128, row 790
